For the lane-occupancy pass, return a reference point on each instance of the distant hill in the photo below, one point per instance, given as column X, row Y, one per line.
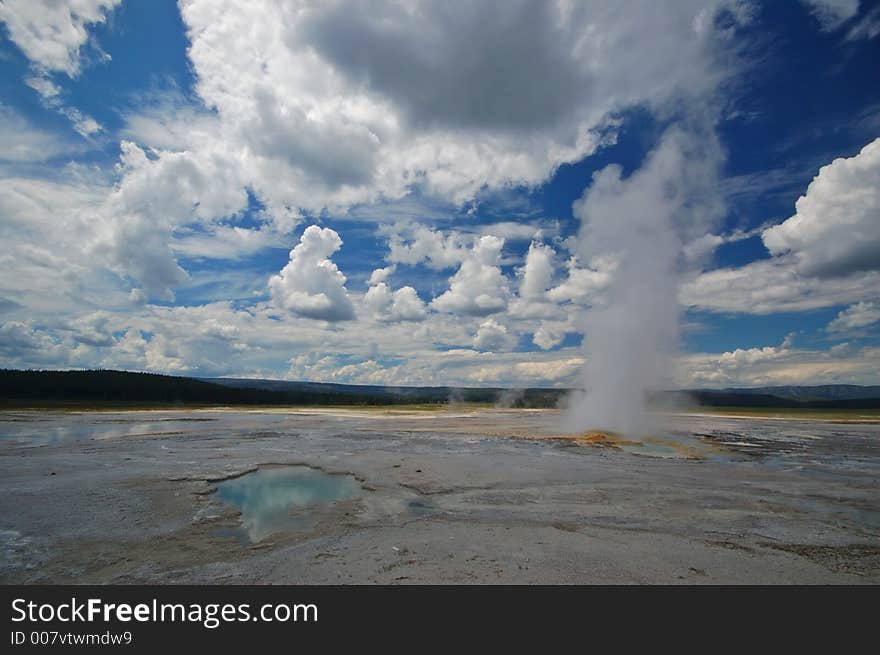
column 101, row 386
column 123, row 386
column 496, row 395
column 820, row 392
column 747, row 398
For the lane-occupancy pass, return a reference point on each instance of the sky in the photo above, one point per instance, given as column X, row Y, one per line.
column 435, row 193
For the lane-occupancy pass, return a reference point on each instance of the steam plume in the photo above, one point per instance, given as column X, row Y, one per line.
column 643, row 220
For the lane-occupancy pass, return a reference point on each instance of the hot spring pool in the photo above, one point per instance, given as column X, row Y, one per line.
column 271, row 500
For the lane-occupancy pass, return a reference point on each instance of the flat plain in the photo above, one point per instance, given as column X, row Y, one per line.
column 434, row 495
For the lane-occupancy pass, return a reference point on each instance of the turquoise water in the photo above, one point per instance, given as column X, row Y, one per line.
column 272, row 500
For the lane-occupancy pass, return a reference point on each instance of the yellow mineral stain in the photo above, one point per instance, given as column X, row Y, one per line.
column 598, row 438
column 612, row 440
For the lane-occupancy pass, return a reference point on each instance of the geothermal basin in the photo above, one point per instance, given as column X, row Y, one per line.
column 449, row 495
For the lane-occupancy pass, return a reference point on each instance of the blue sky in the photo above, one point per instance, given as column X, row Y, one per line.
column 362, row 193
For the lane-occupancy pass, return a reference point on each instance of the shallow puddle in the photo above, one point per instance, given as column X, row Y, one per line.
column 277, row 499
column 420, row 507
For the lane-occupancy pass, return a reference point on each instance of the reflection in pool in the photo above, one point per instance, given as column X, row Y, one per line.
column 269, row 498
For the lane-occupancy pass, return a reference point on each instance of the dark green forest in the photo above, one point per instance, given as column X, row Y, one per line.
column 102, row 386
column 19, row 388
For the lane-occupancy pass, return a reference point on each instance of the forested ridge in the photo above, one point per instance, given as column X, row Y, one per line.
column 108, row 386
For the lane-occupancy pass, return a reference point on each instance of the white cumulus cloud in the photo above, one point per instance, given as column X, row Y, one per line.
column 337, row 104
column 478, row 287
column 836, row 226
column 492, row 335
column 401, row 305
column 826, row 254
column 311, row 285
column 51, row 32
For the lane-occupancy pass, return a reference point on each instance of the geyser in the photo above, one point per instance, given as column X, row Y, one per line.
column 642, row 222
